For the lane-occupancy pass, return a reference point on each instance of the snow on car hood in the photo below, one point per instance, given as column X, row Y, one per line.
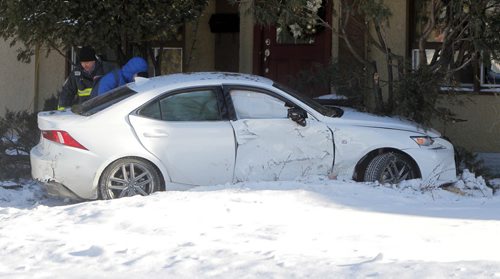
column 357, row 118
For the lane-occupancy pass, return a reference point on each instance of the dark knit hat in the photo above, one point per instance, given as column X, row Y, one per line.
column 87, row 54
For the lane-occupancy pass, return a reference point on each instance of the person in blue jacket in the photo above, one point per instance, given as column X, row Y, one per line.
column 136, row 66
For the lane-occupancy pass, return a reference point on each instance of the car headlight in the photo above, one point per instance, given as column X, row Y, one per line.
column 423, row 140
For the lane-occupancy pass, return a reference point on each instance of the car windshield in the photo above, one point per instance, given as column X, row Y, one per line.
column 325, row 110
column 99, row 103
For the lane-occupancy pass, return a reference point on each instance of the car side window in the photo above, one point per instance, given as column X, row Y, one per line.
column 199, row 105
column 256, row 105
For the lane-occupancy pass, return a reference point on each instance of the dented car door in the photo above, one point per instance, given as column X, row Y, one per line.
column 270, row 146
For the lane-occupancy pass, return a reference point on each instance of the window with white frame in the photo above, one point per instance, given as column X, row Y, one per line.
column 470, row 71
column 490, row 73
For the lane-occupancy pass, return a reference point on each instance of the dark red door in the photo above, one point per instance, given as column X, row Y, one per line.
column 280, row 57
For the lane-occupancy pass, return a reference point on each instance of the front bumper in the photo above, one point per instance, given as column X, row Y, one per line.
column 436, row 163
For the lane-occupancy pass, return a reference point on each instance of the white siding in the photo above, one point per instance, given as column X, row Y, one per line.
column 17, row 79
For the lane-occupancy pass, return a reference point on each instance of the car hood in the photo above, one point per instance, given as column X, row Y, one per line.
column 353, row 117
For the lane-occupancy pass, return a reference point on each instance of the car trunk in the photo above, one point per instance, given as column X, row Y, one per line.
column 57, row 120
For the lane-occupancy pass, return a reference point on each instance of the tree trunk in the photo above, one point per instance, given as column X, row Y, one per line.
column 390, row 81
column 377, row 91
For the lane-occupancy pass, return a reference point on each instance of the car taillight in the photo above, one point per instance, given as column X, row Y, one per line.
column 62, row 137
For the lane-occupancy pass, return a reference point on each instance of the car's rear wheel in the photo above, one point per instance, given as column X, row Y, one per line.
column 129, row 177
column 390, row 168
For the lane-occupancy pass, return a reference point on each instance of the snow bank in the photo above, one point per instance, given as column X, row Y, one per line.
column 314, row 228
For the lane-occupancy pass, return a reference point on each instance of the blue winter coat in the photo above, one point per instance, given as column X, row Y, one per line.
column 120, row 77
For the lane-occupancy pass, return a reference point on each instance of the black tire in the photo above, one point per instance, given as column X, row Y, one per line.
column 390, row 168
column 128, row 177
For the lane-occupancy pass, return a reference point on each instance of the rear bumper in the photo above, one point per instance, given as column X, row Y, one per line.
column 55, row 189
column 64, row 173
column 43, row 170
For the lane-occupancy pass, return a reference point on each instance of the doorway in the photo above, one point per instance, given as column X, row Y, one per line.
column 280, row 56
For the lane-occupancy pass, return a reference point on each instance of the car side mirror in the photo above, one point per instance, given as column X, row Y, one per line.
column 298, row 115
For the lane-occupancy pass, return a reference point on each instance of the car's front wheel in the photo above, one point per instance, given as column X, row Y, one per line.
column 390, row 168
column 129, row 177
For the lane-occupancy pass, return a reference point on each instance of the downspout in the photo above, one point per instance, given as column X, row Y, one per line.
column 37, row 79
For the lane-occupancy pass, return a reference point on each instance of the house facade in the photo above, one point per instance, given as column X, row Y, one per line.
column 226, row 38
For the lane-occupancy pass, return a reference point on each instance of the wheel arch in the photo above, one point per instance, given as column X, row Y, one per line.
column 158, row 170
column 360, row 169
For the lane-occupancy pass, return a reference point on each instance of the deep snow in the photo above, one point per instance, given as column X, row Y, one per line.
column 314, row 228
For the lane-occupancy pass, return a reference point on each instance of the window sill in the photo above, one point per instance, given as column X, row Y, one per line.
column 465, row 89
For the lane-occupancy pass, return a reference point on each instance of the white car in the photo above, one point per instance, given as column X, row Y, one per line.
column 183, row 130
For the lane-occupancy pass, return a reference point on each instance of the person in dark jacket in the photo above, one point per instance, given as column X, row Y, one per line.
column 136, row 66
column 78, row 85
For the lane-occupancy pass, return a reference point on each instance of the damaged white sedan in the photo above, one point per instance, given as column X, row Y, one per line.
column 183, row 130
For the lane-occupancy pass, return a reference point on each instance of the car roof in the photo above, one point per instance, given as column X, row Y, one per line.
column 197, row 77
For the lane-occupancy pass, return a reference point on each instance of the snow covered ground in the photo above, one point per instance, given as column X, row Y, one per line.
column 315, row 228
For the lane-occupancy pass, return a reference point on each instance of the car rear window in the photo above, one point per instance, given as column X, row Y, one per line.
column 196, row 105
column 99, row 103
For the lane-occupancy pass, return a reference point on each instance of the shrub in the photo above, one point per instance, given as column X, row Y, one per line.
column 343, row 80
column 18, row 134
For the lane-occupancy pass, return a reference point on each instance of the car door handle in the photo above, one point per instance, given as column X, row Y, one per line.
column 248, row 137
column 155, row 134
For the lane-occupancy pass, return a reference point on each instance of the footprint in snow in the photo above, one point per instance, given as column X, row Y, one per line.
column 93, row 251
